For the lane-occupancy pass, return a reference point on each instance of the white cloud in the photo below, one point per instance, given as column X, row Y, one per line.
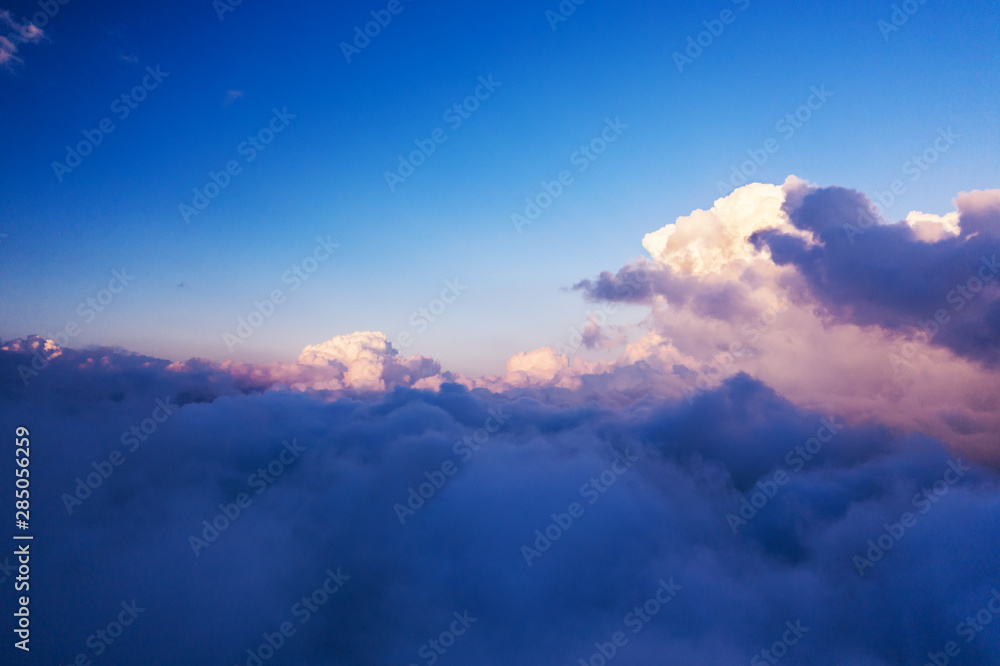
column 714, row 240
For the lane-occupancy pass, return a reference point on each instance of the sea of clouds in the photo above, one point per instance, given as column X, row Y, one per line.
column 794, row 437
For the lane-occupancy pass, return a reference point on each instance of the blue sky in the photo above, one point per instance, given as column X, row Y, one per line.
column 323, row 175
column 801, row 422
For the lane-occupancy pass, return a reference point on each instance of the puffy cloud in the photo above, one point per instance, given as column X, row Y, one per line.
column 932, row 228
column 805, row 289
column 33, row 345
column 542, row 364
column 344, row 365
column 362, row 354
column 884, row 274
column 544, row 367
column 659, row 483
column 714, row 241
column 346, row 349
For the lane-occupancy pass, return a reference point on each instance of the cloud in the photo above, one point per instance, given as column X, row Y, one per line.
column 232, row 96
column 713, row 241
column 332, row 507
column 19, row 33
column 898, row 276
column 780, row 442
column 596, row 336
column 763, row 283
column 932, row 228
column 769, row 282
column 540, row 366
column 369, row 361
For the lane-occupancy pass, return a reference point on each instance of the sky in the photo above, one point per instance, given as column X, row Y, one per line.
column 324, row 176
column 525, row 333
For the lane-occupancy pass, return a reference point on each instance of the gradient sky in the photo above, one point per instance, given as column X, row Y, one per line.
column 808, row 419
column 323, row 175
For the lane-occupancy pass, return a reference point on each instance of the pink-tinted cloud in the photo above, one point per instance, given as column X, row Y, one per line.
column 766, row 282
column 769, row 282
column 654, row 482
column 17, row 33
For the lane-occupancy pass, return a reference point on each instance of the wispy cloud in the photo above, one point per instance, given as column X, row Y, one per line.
column 20, row 33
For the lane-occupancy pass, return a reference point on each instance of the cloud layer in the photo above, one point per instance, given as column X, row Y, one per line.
column 780, row 443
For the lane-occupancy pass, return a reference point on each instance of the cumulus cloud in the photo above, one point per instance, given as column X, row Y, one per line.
column 932, row 228
column 363, row 356
column 33, row 345
column 714, row 241
column 888, row 275
column 806, row 289
column 345, row 365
